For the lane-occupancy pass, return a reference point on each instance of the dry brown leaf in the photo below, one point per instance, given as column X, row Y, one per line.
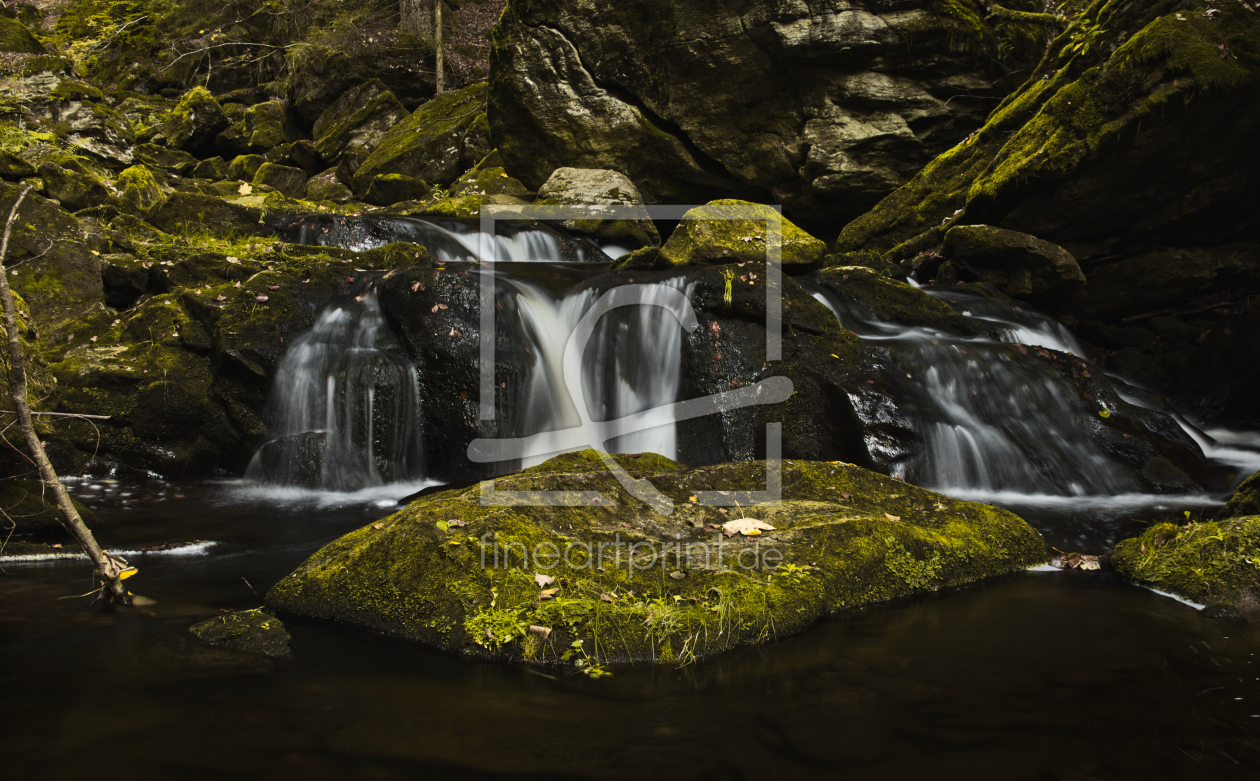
column 749, row 527
column 541, row 631
column 544, row 580
column 606, row 597
column 261, row 297
column 677, row 575
column 892, row 517
column 378, row 526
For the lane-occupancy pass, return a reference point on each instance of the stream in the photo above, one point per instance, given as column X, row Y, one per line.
column 1044, row 674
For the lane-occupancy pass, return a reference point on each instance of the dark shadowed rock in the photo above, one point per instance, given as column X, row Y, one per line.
column 252, row 631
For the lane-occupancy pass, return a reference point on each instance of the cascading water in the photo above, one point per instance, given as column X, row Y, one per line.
column 991, row 422
column 345, row 405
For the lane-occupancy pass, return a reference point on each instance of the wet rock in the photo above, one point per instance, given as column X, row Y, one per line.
column 731, row 231
column 290, row 181
column 842, row 537
column 595, row 187
column 1022, row 266
column 1222, row 612
column 891, row 301
column 626, row 88
column 357, row 121
column 252, row 631
column 439, row 141
column 194, row 122
column 1245, row 500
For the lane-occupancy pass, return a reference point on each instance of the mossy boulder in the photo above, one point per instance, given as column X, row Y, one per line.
column 139, row 189
column 260, row 128
column 73, row 189
column 195, row 213
column 1133, row 140
column 638, row 585
column 357, row 121
column 327, row 187
column 288, row 180
column 252, row 631
column 243, row 167
column 214, row 169
column 728, row 231
column 1209, row 562
column 589, row 187
column 439, row 141
column 1021, row 265
column 14, row 167
column 17, row 38
column 177, row 161
column 387, row 189
column 194, row 122
column 1245, row 500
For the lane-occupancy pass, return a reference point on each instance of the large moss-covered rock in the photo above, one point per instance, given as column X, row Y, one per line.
column 259, row 128
column 729, row 230
column 253, row 631
column 139, row 189
column 1210, row 562
column 73, row 189
column 357, row 122
column 891, row 301
column 1135, row 140
column 193, row 213
column 439, row 141
column 288, row 180
column 689, row 100
column 194, row 122
column 386, row 189
column 1021, row 265
column 16, row 37
column 587, row 187
column 642, row 586
column 327, row 187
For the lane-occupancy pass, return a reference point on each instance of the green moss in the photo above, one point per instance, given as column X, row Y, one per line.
column 139, row 189
column 1089, row 103
column 1245, row 499
column 419, row 576
column 420, row 146
column 253, row 631
column 1204, row 562
column 16, row 37
column 740, row 235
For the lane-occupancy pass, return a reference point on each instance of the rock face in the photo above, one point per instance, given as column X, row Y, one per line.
column 642, row 586
column 357, row 122
column 252, row 631
column 824, row 109
column 1019, row 264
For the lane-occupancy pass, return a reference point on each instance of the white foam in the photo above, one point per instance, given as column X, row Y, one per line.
column 383, row 496
column 196, row 548
column 1182, row 600
column 1117, row 502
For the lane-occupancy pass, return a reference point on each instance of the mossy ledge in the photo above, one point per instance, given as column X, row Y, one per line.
column 624, row 589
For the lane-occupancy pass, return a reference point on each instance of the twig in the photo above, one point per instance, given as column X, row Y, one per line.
column 251, row 588
column 60, row 414
column 220, row 46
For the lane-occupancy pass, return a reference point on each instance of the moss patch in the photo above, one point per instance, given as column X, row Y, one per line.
column 631, row 584
column 1209, row 562
column 739, row 235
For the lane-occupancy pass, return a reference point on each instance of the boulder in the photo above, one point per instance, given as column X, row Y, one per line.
column 1107, row 154
column 259, row 128
column 300, row 154
column 73, row 189
column 194, row 122
column 290, row 181
column 1245, row 500
column 17, row 38
column 453, row 573
column 140, row 190
column 878, row 90
column 176, row 161
column 357, row 121
column 194, row 213
column 441, row 140
column 587, row 187
column 1021, row 265
column 386, row 189
column 214, row 169
column 737, row 234
column 327, row 187
column 14, row 167
column 1209, row 562
column 243, row 167
column 252, row 631
column 97, row 130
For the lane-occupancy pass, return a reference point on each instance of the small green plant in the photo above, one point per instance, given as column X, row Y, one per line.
column 585, row 664
column 493, row 627
column 1083, row 37
column 729, row 276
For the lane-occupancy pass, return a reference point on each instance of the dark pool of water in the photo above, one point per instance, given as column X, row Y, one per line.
column 1044, row 675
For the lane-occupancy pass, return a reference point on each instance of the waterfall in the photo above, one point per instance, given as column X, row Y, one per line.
column 345, row 405
column 632, row 364
column 993, row 418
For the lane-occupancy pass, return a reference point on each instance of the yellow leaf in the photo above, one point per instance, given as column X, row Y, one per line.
column 749, row 527
column 893, row 517
column 1106, row 413
column 245, row 189
column 127, row 573
column 692, row 499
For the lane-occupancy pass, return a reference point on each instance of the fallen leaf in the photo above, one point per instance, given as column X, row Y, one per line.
column 273, row 287
column 220, row 297
column 749, row 527
column 261, row 297
column 231, row 259
column 541, row 631
column 455, row 523
column 436, row 307
column 892, row 517
column 606, row 597
column 93, row 339
column 677, row 575
column 846, row 494
column 378, row 526
column 544, row 580
column 549, row 592
column 245, row 189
